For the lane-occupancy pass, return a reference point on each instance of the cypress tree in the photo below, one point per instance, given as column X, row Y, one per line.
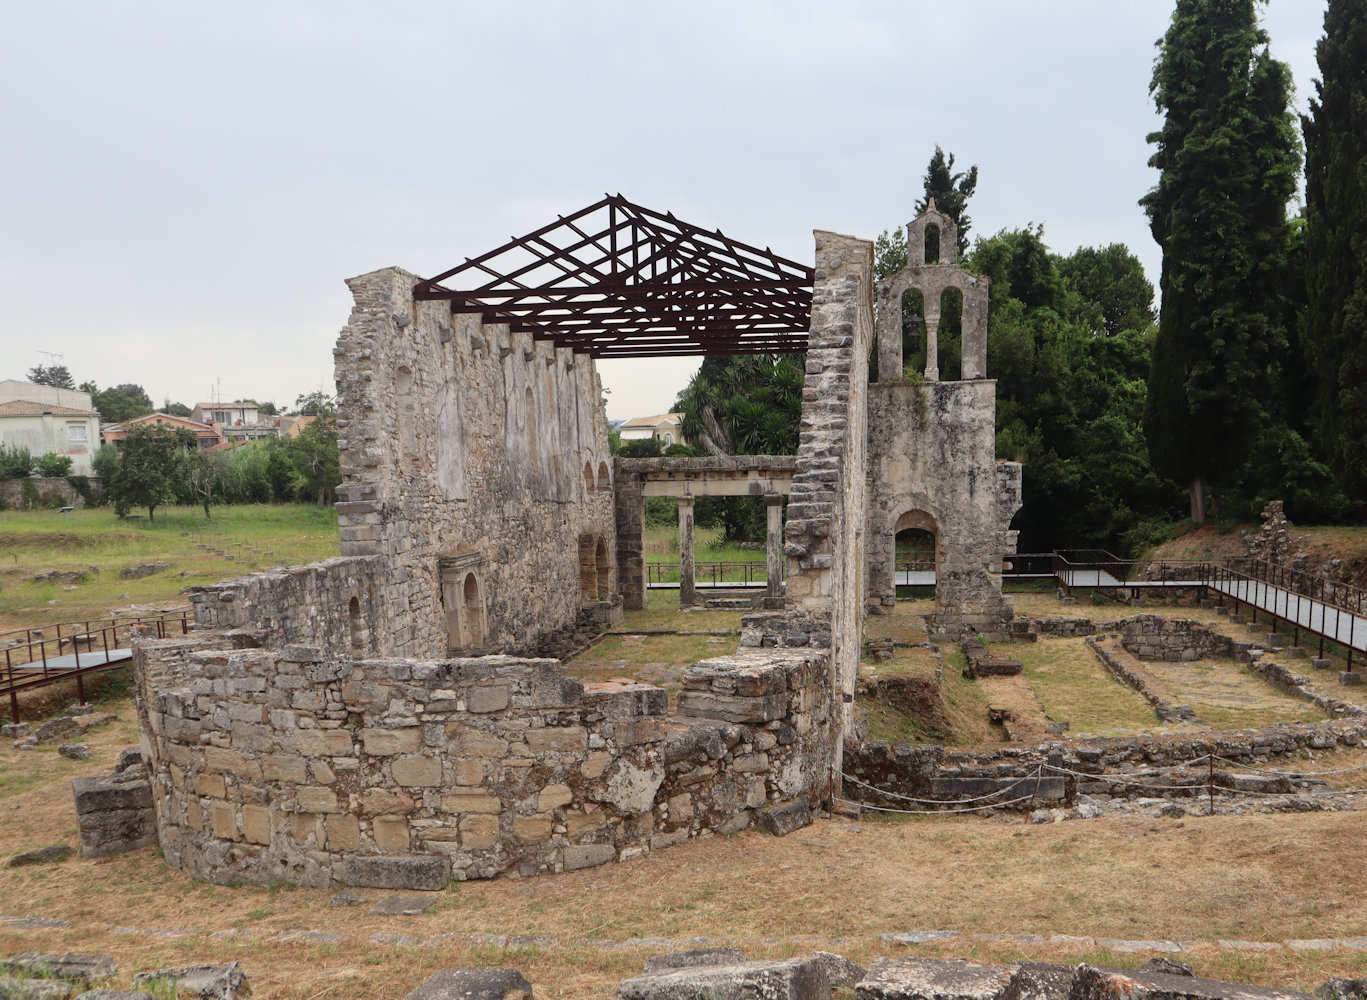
column 1227, row 156
column 1335, row 323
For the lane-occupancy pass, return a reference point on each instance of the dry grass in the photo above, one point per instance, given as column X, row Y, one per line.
column 1195, row 879
column 1075, row 688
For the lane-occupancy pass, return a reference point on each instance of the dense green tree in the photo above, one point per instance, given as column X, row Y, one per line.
column 53, row 464
column 148, row 462
column 745, row 404
column 56, row 376
column 951, row 192
column 119, row 403
column 1110, row 291
column 175, row 409
column 1227, row 156
column 315, row 404
column 641, row 448
column 316, row 459
column 1335, row 322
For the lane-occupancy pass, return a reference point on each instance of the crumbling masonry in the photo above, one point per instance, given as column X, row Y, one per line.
column 397, row 716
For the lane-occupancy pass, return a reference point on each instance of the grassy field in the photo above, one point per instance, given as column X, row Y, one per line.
column 98, row 545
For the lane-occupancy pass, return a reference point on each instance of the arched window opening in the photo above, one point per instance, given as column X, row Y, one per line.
column 932, row 248
column 588, row 477
column 951, row 335
column 604, row 571
column 472, row 608
column 913, row 333
column 603, row 481
column 357, row 628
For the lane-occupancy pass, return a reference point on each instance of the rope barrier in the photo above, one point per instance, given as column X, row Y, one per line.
column 933, row 812
column 1291, row 774
column 933, row 802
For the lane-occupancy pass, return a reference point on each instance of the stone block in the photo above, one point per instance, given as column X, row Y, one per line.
column 472, row 801
column 316, row 799
column 479, row 832
column 1321, row 663
column 223, row 761
column 1040, row 981
column 473, row 743
column 532, row 829
column 731, row 708
column 488, row 699
column 934, row 979
column 626, row 700
column 553, row 797
column 379, row 801
column 783, row 820
column 114, row 995
column 306, row 828
column 390, row 833
column 204, row 982
column 578, row 856
column 284, row 767
column 694, row 957
column 386, row 742
column 1350, row 677
column 1096, row 983
column 417, row 772
column 777, row 979
column 13, row 988
column 343, row 832
column 577, row 823
column 557, row 739
column 209, row 785
column 324, row 742
column 223, row 820
column 473, row 984
column 99, row 793
column 429, row 872
column 256, row 824
column 80, row 967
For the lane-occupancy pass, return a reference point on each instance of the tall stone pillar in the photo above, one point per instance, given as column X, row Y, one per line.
column 932, row 347
column 629, row 511
column 688, row 594
column 773, row 549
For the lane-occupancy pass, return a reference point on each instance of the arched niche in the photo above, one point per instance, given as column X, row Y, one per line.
column 915, row 547
column 603, row 570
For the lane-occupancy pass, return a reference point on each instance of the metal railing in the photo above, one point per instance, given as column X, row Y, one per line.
column 741, row 572
column 46, row 654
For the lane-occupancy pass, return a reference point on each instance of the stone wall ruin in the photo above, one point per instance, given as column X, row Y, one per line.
column 397, row 716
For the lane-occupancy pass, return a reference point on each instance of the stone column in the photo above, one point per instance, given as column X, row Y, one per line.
column 773, row 549
column 688, row 594
column 629, row 512
column 932, row 348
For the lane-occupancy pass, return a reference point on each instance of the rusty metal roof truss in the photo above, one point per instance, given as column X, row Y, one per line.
column 616, row 280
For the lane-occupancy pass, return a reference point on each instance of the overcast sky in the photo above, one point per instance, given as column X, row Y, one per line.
column 187, row 185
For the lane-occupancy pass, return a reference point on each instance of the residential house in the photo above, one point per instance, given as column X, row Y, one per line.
column 236, row 422
column 207, row 435
column 667, row 428
column 47, row 420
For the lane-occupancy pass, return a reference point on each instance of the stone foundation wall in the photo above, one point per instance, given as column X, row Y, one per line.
column 304, row 766
column 1151, row 637
column 475, row 462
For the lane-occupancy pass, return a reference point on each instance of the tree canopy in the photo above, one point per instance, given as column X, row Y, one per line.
column 119, row 403
column 57, row 376
column 1334, row 331
column 1227, row 156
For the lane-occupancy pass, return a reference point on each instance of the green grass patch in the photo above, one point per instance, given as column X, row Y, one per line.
column 97, row 545
column 1073, row 686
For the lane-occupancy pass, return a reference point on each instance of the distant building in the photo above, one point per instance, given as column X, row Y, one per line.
column 207, row 435
column 236, row 422
column 667, row 428
column 47, row 420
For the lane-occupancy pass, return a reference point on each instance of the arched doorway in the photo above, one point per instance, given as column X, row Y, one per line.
column 914, row 550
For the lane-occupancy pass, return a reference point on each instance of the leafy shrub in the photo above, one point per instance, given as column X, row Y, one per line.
column 15, row 462
column 53, row 464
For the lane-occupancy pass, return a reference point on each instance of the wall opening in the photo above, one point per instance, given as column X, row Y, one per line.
column 915, row 552
column 357, row 629
column 603, row 481
column 932, row 246
column 588, row 477
column 951, row 335
column 588, row 569
column 604, row 571
column 472, row 608
column 913, row 331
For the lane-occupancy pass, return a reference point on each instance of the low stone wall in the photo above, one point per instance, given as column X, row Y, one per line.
column 310, row 604
column 1063, row 627
column 1166, row 711
column 1121, row 767
column 307, row 767
column 1297, row 686
column 1151, row 637
column 46, row 489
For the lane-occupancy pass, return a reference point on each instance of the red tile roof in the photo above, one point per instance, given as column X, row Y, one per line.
column 27, row 408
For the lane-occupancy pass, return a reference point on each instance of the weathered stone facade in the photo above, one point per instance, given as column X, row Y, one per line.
column 1176, row 640
column 932, row 449
column 475, row 462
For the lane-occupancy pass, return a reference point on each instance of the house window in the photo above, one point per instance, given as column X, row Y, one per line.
column 76, row 432
column 220, row 416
